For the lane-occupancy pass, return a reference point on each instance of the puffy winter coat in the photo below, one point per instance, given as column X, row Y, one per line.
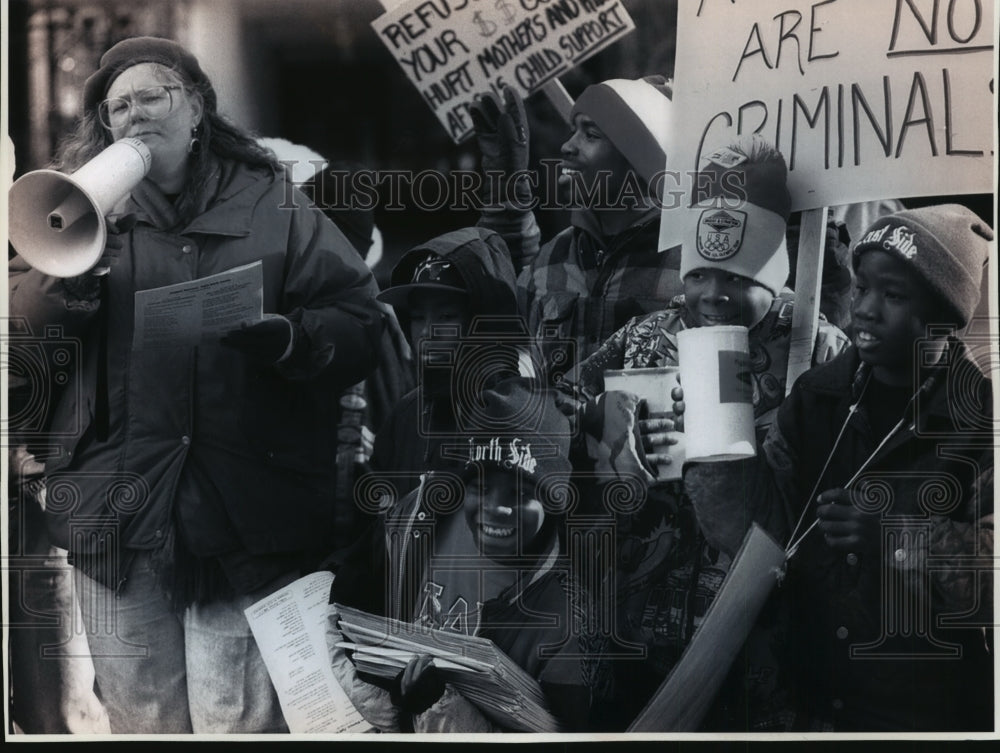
column 244, row 453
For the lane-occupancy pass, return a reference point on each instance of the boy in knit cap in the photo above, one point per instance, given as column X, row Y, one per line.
column 441, row 291
column 606, row 267
column 734, row 265
column 455, row 299
column 888, row 452
column 480, row 554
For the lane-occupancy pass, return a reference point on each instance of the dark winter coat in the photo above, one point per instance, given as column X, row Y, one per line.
column 242, row 455
column 893, row 638
column 537, row 620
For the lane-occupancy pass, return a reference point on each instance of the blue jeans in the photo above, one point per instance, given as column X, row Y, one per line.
column 159, row 672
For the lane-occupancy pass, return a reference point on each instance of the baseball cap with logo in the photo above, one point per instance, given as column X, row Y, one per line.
column 433, row 272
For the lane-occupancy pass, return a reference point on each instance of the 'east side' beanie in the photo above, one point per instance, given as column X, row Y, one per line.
column 946, row 245
column 738, row 220
column 136, row 50
column 635, row 116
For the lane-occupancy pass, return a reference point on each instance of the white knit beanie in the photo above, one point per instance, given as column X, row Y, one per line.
column 739, row 217
column 635, row 116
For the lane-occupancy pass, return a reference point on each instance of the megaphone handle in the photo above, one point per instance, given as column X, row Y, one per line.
column 102, row 407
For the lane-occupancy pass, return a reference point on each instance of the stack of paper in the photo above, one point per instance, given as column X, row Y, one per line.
column 473, row 666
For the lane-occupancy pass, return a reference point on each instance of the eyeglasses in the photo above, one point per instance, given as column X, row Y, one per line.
column 154, row 103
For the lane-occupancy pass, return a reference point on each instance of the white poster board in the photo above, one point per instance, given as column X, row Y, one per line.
column 865, row 99
column 454, row 49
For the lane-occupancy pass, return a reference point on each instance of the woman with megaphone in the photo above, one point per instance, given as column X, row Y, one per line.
column 193, row 475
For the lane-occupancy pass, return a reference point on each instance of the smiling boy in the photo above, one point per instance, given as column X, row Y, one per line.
column 882, row 461
column 734, row 266
column 481, row 557
column 607, row 267
column 508, row 512
column 503, row 514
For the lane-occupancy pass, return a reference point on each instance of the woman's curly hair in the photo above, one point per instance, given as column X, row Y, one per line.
column 219, row 137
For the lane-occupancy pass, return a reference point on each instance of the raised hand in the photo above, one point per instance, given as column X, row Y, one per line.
column 501, row 130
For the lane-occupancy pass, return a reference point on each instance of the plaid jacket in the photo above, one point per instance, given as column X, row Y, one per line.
column 582, row 287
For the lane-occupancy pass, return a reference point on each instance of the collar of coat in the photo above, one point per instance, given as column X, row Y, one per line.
column 587, row 221
column 227, row 201
column 844, row 376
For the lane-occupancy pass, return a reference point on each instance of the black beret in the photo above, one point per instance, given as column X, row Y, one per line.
column 138, row 50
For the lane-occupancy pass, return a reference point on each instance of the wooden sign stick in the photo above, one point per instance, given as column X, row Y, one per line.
column 559, row 97
column 808, row 276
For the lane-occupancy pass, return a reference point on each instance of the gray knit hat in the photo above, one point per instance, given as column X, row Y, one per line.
column 947, row 245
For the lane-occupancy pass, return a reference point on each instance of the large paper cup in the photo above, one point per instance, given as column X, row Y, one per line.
column 718, row 393
column 654, row 386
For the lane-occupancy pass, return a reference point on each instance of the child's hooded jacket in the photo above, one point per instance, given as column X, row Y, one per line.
column 409, row 441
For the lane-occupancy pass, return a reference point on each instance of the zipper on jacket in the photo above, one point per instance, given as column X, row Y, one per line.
column 889, row 442
column 398, row 575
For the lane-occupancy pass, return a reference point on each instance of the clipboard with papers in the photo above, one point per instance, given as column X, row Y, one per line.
column 472, row 665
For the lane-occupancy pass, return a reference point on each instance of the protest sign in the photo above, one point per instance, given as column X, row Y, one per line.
column 454, row 49
column 865, row 100
column 755, row 571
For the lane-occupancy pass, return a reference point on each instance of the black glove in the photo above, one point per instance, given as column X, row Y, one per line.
column 837, row 248
column 85, row 287
column 502, row 133
column 418, row 686
column 501, row 130
column 266, row 342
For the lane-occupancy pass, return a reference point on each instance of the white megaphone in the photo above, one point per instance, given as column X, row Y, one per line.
column 57, row 220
